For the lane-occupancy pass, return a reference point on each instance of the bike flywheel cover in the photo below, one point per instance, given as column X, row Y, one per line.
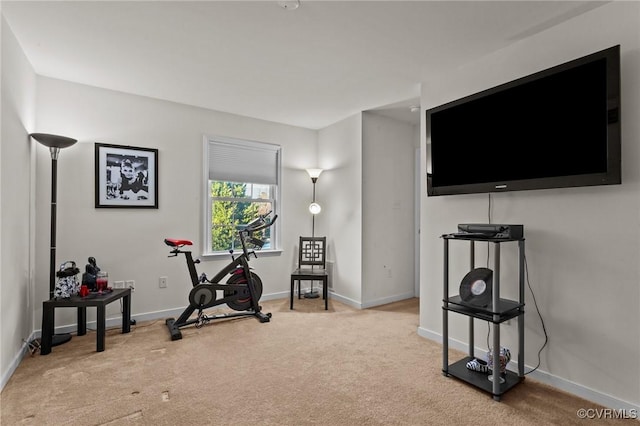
column 242, row 297
column 202, row 296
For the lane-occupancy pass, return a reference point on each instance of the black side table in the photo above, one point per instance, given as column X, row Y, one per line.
column 100, row 301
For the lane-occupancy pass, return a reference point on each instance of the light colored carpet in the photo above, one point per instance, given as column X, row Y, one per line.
column 305, row 367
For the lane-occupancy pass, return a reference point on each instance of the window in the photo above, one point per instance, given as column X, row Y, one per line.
column 241, row 181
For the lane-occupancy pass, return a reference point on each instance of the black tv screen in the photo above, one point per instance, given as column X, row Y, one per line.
column 556, row 128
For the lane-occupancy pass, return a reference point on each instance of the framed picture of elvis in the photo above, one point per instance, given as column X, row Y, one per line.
column 126, row 176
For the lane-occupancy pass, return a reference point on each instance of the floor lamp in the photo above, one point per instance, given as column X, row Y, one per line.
column 55, row 144
column 314, row 209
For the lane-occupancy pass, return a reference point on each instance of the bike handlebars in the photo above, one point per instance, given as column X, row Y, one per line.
column 246, row 234
column 260, row 223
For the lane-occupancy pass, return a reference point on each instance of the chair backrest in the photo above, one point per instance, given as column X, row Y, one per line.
column 312, row 251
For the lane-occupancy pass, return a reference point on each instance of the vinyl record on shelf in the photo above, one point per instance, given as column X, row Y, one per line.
column 475, row 288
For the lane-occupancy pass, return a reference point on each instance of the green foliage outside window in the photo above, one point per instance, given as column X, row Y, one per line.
column 231, row 208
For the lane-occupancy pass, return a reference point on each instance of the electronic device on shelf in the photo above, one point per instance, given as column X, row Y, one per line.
column 491, row 230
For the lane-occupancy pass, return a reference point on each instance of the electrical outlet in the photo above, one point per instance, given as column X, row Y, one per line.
column 118, row 284
column 162, row 282
column 131, row 284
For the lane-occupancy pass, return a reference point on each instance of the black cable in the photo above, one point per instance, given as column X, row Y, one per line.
column 488, row 255
column 535, row 302
column 489, row 218
column 488, row 252
column 544, row 328
column 488, row 334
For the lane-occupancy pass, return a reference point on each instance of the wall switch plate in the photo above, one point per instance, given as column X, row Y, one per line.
column 162, row 282
column 118, row 284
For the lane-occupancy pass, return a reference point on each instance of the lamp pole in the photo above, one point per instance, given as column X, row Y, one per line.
column 314, row 208
column 55, row 143
column 313, row 215
column 54, row 218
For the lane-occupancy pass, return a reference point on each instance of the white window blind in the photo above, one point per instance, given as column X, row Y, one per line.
column 243, row 161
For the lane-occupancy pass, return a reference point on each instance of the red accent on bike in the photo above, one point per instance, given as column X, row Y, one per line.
column 173, row 242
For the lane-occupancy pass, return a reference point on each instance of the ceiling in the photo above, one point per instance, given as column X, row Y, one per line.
column 309, row 66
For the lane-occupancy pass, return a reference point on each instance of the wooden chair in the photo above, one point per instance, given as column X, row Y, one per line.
column 312, row 253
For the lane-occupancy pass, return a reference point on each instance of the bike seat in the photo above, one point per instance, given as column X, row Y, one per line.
column 173, row 242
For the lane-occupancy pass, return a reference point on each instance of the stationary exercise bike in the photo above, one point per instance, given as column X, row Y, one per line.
column 241, row 292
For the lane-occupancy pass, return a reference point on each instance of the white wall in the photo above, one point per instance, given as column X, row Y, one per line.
column 128, row 243
column 582, row 244
column 16, row 299
column 387, row 210
column 368, row 210
column 339, row 191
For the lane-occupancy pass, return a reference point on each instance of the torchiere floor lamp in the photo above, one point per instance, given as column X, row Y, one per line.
column 314, row 209
column 55, row 144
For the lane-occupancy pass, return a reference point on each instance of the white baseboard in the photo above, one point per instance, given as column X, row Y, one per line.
column 275, row 296
column 545, row 377
column 15, row 362
column 345, row 300
column 372, row 303
column 386, row 300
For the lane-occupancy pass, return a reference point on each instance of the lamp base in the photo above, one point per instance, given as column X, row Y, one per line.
column 311, row 295
column 59, row 339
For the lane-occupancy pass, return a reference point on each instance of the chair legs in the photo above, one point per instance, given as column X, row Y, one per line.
column 325, row 291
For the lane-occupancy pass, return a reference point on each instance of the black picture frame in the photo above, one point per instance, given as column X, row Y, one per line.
column 126, row 177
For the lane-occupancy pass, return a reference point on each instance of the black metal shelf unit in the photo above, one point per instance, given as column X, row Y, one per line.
column 506, row 310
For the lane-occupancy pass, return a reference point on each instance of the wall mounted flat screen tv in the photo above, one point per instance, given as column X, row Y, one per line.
column 556, row 128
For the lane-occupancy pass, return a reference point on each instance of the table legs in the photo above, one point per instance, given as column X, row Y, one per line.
column 325, row 293
column 291, row 294
column 46, row 339
column 82, row 321
column 126, row 314
column 100, row 328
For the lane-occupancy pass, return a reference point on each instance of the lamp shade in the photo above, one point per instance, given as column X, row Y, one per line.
column 314, row 173
column 53, row 141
